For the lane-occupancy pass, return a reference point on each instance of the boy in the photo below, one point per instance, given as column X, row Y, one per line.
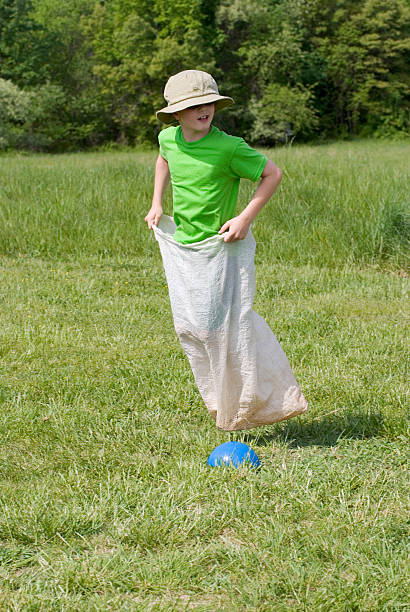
column 241, row 371
column 211, row 169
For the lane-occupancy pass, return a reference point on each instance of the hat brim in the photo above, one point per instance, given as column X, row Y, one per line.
column 166, row 115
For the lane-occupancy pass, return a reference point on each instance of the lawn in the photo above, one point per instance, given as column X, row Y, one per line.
column 106, row 499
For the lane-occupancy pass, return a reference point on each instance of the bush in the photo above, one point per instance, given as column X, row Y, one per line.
column 393, row 126
column 46, row 119
column 281, row 114
column 15, row 109
column 31, row 119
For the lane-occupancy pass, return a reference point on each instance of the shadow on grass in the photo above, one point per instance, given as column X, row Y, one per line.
column 321, row 432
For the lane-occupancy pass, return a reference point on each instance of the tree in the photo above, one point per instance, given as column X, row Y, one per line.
column 296, row 68
column 136, row 47
column 281, row 114
column 26, row 48
column 361, row 52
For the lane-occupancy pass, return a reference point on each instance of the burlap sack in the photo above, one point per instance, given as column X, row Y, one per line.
column 241, row 371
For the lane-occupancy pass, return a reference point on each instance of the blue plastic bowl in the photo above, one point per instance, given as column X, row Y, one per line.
column 233, row 454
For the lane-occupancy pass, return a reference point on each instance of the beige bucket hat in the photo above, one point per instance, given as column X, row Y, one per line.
column 189, row 88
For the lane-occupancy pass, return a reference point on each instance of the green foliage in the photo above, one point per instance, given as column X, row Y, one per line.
column 344, row 64
column 363, row 47
column 44, row 118
column 136, row 47
column 281, row 114
column 14, row 103
column 352, row 57
column 15, row 108
column 367, row 62
column 27, row 49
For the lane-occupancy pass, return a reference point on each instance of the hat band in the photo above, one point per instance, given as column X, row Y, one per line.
column 199, row 95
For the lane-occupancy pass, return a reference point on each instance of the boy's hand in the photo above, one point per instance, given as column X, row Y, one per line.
column 238, row 227
column 153, row 216
column 235, row 229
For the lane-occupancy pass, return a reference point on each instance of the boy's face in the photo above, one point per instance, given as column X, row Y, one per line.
column 197, row 118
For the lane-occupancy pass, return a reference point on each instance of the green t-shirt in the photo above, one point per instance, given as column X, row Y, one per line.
column 205, row 177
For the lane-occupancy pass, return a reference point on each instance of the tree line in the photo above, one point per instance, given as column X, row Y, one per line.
column 85, row 73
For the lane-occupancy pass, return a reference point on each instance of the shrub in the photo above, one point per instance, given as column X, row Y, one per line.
column 281, row 114
column 15, row 109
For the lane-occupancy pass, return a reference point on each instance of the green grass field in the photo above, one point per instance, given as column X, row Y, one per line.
column 106, row 500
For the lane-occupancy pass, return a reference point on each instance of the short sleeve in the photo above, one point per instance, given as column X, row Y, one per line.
column 162, row 149
column 247, row 162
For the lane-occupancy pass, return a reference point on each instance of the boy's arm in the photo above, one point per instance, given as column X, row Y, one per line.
column 161, row 181
column 238, row 227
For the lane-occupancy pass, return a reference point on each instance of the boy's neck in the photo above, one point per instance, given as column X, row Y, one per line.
column 194, row 135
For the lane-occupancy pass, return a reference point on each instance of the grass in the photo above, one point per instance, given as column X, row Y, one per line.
column 106, row 501
column 338, row 204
